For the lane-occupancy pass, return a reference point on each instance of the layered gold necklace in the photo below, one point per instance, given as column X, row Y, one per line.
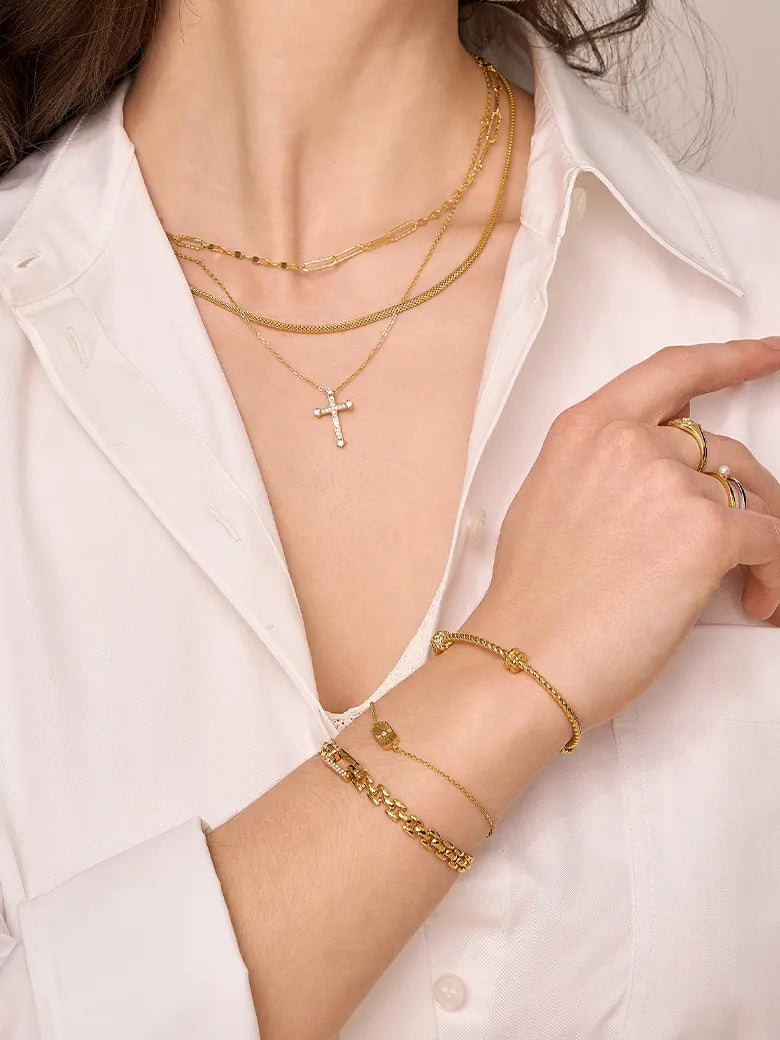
column 489, row 129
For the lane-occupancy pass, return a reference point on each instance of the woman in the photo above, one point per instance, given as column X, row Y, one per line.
column 211, row 566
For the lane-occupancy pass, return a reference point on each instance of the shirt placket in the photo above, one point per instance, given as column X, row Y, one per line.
column 466, row 938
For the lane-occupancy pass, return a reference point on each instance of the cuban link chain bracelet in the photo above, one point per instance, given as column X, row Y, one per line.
column 351, row 771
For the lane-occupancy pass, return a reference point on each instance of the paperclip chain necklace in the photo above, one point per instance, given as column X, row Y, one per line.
column 487, row 137
column 334, row 407
column 386, row 312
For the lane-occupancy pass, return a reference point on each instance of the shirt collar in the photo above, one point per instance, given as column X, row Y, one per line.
column 68, row 219
column 596, row 137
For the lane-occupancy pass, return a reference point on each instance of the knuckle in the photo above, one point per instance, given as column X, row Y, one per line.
column 574, row 422
column 738, row 452
column 668, row 479
column 623, row 438
column 745, row 343
column 676, row 355
column 740, row 345
column 731, row 444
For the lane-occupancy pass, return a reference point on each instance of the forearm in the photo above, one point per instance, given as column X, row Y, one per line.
column 324, row 889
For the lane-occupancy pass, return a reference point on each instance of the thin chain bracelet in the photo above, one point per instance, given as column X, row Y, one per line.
column 352, row 772
column 515, row 661
column 387, row 738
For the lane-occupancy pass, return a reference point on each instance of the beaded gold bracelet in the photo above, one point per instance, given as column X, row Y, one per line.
column 515, row 661
column 352, row 772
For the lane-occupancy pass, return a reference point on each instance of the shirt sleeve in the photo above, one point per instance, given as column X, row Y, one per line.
column 138, row 947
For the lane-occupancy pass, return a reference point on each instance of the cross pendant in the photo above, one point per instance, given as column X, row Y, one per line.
column 333, row 409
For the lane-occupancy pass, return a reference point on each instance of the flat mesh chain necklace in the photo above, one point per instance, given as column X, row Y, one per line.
column 494, row 78
column 334, row 407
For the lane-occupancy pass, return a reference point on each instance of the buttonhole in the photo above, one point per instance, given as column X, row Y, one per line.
column 78, row 346
column 27, row 261
column 222, row 519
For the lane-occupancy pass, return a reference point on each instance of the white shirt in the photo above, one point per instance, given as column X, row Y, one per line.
column 154, row 671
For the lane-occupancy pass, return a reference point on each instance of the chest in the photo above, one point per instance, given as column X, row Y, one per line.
column 366, row 528
column 117, row 647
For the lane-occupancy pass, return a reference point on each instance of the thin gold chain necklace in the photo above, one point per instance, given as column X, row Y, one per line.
column 334, row 407
column 404, row 305
column 489, row 127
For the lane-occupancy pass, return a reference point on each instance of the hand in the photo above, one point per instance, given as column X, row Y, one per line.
column 614, row 544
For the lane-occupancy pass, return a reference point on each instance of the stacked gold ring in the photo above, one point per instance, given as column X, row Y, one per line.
column 694, row 429
column 726, row 484
column 736, row 487
column 739, row 490
column 737, row 496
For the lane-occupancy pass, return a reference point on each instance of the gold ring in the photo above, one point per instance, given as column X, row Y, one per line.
column 693, row 428
column 724, row 482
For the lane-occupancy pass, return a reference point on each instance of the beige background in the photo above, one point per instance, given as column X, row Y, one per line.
column 745, row 50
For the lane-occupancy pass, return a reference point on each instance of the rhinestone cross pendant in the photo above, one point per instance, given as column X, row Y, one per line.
column 333, row 409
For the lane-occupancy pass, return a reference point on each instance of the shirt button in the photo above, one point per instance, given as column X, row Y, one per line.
column 450, row 992
column 579, row 203
column 475, row 527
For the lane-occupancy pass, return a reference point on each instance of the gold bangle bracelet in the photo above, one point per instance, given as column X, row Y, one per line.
column 352, row 772
column 387, row 738
column 515, row 661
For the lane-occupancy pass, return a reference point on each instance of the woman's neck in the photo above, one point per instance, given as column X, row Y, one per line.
column 300, row 123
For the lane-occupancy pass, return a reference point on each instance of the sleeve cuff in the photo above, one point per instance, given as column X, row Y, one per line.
column 139, row 947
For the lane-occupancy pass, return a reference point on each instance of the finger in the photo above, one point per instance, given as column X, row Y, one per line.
column 758, row 546
column 682, row 446
column 758, row 601
column 710, row 487
column 724, row 451
column 660, row 387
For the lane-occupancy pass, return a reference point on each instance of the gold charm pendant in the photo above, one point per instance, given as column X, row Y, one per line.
column 333, row 409
column 384, row 734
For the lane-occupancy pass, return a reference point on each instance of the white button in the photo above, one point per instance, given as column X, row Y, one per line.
column 450, row 992
column 475, row 527
column 579, row 203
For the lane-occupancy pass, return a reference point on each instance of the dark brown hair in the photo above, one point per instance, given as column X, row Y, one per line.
column 60, row 58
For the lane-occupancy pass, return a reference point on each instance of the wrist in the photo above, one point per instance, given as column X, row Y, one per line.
column 490, row 729
column 542, row 712
column 512, row 702
column 516, row 726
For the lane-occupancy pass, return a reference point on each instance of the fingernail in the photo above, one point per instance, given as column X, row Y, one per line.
column 773, row 342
